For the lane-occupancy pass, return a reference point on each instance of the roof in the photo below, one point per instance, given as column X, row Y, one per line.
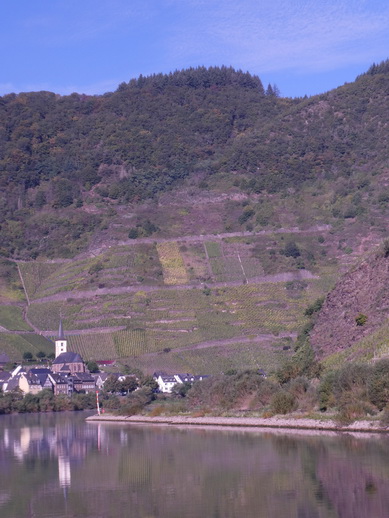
column 58, row 378
column 4, row 376
column 33, row 379
column 167, row 378
column 68, row 357
column 13, row 383
column 4, row 358
column 102, row 375
column 61, row 335
column 40, row 370
column 41, row 374
column 84, row 377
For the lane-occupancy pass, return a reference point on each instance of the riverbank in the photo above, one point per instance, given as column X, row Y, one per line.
column 277, row 422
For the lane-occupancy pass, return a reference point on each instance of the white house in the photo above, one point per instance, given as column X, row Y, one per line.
column 166, row 382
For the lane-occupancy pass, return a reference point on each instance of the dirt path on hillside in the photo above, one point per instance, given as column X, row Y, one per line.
column 215, row 237
column 83, row 294
column 191, row 239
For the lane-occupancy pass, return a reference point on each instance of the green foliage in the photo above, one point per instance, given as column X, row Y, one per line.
column 145, row 229
column 225, row 392
column 11, row 317
column 44, row 401
column 315, row 307
column 283, row 402
column 292, row 250
column 247, row 213
column 96, row 268
column 58, row 154
column 114, row 385
column 181, row 389
column 361, row 319
column 378, row 384
column 92, row 366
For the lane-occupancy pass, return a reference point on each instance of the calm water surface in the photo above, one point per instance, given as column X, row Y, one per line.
column 55, row 466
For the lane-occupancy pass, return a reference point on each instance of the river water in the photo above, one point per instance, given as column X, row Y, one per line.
column 58, row 465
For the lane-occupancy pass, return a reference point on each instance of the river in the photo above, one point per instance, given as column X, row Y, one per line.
column 58, row 465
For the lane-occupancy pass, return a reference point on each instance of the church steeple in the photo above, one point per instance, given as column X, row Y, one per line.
column 61, row 342
column 61, row 336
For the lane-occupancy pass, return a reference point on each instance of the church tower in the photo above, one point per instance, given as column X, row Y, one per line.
column 60, row 343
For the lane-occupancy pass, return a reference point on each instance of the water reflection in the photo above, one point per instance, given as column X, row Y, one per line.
column 60, row 466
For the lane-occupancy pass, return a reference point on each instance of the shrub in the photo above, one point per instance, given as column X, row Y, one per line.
column 291, row 250
column 378, row 384
column 361, row 319
column 385, row 248
column 384, row 421
column 325, row 392
column 264, row 394
column 315, row 307
column 283, row 402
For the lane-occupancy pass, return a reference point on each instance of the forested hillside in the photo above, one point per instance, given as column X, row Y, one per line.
column 68, row 162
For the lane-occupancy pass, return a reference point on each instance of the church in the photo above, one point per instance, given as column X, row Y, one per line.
column 66, row 362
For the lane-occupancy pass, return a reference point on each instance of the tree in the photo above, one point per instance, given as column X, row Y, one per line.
column 292, row 250
column 28, row 356
column 149, row 382
column 129, row 384
column 63, row 193
column 111, row 384
column 181, row 389
column 378, row 384
column 92, row 366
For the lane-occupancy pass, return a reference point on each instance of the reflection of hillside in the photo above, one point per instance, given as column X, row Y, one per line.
column 351, row 481
column 120, row 471
column 175, row 473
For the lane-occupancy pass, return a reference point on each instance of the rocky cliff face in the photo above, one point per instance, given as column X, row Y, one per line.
column 355, row 308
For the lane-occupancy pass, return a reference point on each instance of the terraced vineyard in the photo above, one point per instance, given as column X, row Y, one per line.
column 196, row 305
column 139, row 324
column 15, row 345
column 11, row 318
column 174, row 271
column 214, row 360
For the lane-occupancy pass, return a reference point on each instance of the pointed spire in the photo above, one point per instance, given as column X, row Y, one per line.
column 61, row 335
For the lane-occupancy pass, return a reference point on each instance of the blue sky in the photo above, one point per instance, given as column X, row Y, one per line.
column 91, row 46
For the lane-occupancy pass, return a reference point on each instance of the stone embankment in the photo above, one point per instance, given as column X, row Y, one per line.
column 277, row 422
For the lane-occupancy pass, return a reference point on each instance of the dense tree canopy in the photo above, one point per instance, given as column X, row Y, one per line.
column 156, row 131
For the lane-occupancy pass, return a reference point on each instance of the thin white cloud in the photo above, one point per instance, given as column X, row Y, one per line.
column 279, row 34
column 73, row 21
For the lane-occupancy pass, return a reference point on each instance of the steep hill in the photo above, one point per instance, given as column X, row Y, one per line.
column 356, row 311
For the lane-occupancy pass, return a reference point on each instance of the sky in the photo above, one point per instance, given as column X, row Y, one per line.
column 305, row 47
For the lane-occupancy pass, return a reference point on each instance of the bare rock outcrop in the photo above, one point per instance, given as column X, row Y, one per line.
column 356, row 307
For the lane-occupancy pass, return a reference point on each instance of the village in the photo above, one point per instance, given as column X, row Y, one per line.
column 69, row 374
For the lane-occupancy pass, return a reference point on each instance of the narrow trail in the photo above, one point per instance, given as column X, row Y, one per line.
column 24, row 286
column 263, row 279
column 189, row 239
